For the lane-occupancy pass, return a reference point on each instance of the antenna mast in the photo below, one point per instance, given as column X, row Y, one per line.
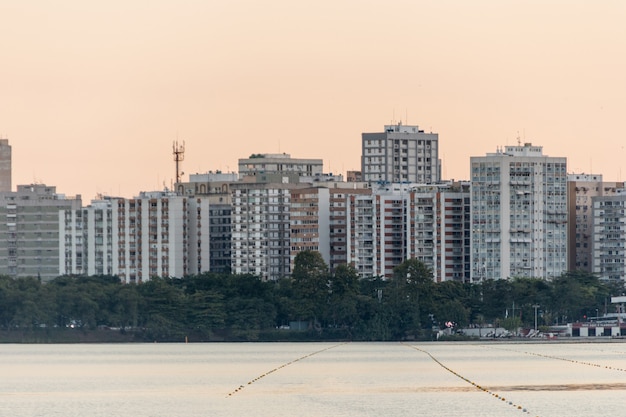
column 179, row 155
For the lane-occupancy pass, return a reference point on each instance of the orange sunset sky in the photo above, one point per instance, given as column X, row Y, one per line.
column 92, row 94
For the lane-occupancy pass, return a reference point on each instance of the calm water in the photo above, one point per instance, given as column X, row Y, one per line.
column 314, row 379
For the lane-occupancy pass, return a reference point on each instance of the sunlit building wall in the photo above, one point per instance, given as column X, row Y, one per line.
column 519, row 214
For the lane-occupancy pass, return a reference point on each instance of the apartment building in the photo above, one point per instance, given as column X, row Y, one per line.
column 156, row 234
column 260, row 225
column 152, row 236
column 400, row 154
column 86, row 238
column 318, row 220
column 409, row 221
column 30, row 234
column 454, row 233
column 216, row 187
column 5, row 166
column 519, row 214
column 609, row 236
column 278, row 164
column 581, row 189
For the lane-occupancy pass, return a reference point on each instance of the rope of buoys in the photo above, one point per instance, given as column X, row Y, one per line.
column 541, row 355
column 240, row 387
column 477, row 386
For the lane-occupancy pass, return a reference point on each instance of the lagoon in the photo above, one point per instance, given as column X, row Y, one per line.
column 314, row 379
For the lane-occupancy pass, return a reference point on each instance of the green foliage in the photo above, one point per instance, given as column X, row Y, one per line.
column 212, row 306
column 311, row 285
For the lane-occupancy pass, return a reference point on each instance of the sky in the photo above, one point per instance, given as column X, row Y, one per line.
column 93, row 94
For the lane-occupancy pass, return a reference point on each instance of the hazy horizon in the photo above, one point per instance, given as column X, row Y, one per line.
column 94, row 94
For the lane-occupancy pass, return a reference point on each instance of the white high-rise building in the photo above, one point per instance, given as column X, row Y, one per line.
column 519, row 214
column 260, row 229
column 86, row 240
column 157, row 234
column 400, row 154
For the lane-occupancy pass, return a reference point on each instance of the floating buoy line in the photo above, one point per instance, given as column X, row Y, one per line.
column 477, row 386
column 252, row 381
column 541, row 355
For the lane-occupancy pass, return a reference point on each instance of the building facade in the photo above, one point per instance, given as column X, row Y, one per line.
column 609, row 237
column 5, row 166
column 260, row 227
column 30, row 234
column 86, row 238
column 400, row 154
column 519, row 214
column 397, row 222
column 318, row 220
column 282, row 163
column 581, row 189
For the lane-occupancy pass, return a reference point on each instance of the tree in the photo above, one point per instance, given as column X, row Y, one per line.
column 411, row 296
column 344, row 289
column 311, row 284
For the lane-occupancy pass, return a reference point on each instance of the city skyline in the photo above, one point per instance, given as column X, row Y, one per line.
column 95, row 94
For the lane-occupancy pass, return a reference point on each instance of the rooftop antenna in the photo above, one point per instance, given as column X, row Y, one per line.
column 519, row 140
column 178, row 150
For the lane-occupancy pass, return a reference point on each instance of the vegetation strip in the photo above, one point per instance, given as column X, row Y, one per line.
column 281, row 367
column 541, row 355
column 479, row 387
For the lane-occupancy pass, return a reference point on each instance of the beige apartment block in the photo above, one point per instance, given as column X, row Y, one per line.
column 30, row 243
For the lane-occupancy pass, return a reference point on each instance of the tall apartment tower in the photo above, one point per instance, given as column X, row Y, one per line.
column 260, row 230
column 519, row 214
column 609, row 234
column 29, row 243
column 429, row 223
column 581, row 189
column 5, row 166
column 400, row 154
column 214, row 186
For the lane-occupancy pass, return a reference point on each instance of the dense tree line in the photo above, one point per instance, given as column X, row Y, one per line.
column 328, row 306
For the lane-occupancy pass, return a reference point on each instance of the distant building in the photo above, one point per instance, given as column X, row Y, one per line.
column 400, row 154
column 354, row 176
column 156, row 234
column 86, row 238
column 581, row 189
column 609, row 235
column 519, row 214
column 29, row 246
column 210, row 183
column 152, row 236
column 260, row 224
column 278, row 164
column 397, row 222
column 216, row 186
column 5, row 166
column 318, row 220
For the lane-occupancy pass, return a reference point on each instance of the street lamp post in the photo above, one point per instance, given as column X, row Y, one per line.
column 535, row 306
